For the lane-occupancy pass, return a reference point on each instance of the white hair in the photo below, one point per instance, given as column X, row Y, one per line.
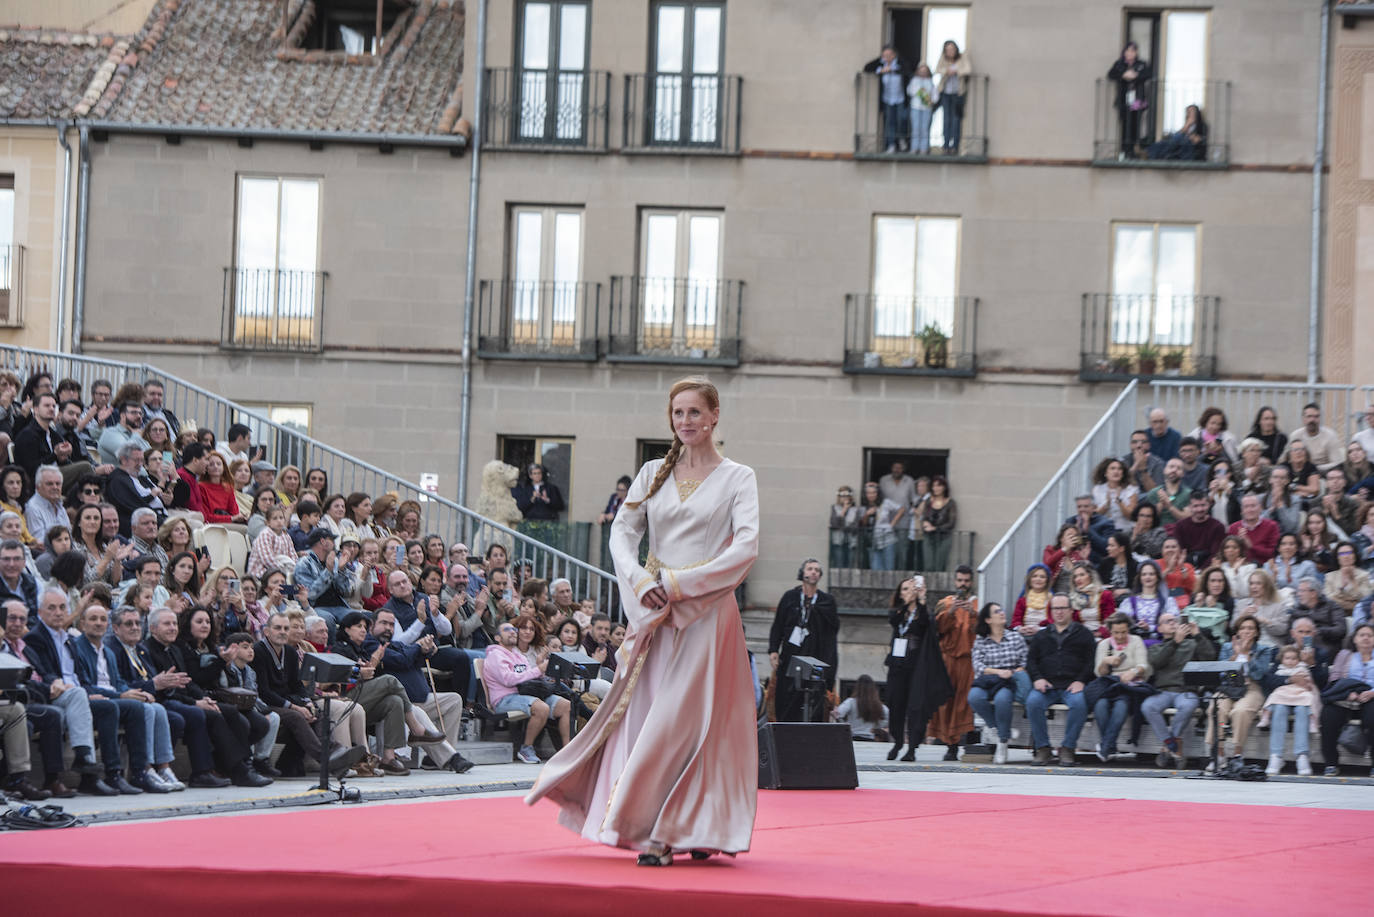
column 561, row 581
column 156, row 615
column 46, row 469
column 135, row 517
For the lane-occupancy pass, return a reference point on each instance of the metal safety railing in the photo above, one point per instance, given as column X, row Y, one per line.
column 193, row 404
column 1184, row 401
column 1001, row 572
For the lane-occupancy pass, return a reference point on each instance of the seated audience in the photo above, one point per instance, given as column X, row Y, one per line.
column 1347, row 585
column 408, row 662
column 1059, row 662
column 1262, row 601
column 1122, row 668
column 1353, row 665
column 999, row 674
column 1325, row 615
column 1147, row 535
column 506, row 668
column 1181, row 643
column 1032, row 610
column 1060, row 557
column 1261, row 535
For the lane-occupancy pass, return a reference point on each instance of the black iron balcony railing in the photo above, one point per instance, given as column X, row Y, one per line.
column 675, row 320
column 854, row 549
column 1151, row 129
column 910, row 335
column 1126, row 335
column 672, row 113
column 952, row 127
column 533, row 319
column 272, row 309
column 11, row 286
column 543, row 110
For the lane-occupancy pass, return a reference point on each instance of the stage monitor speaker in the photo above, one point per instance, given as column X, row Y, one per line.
column 327, row 668
column 806, row 756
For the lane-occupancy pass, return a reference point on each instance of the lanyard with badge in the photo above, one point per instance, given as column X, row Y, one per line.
column 899, row 643
column 800, row 632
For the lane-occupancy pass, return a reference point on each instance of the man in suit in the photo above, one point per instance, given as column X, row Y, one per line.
column 44, row 716
column 98, row 671
column 127, row 493
column 277, row 666
column 807, row 623
column 417, row 616
column 16, row 582
column 50, row 649
column 406, row 661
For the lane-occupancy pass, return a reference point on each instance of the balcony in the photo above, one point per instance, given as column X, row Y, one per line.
column 538, row 320
column 911, row 335
column 670, row 113
column 538, row 111
column 269, row 309
column 1127, row 336
column 675, row 320
column 11, row 286
column 966, row 141
column 1156, row 122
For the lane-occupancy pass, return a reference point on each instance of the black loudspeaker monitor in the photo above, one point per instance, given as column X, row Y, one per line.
column 806, row 756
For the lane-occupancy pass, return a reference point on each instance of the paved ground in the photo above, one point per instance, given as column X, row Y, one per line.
column 927, row 773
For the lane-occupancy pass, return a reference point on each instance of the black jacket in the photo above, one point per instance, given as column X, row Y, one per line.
column 537, row 509
column 41, row 652
column 129, row 673
column 822, row 623
column 163, row 659
column 1061, row 663
column 1143, row 75
column 279, row 687
column 123, row 495
column 33, row 447
column 930, row 686
column 204, row 667
column 903, row 67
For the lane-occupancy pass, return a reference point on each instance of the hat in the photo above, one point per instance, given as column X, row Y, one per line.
column 263, row 465
column 350, row 538
column 317, row 535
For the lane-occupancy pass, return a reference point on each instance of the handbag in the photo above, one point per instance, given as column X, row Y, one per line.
column 1338, row 691
column 537, row 688
column 239, row 698
column 992, row 683
column 1352, row 739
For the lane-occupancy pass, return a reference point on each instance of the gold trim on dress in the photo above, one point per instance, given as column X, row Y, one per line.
column 652, row 565
column 685, row 489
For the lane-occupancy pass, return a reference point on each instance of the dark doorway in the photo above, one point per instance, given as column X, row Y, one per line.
column 904, row 32
column 918, row 462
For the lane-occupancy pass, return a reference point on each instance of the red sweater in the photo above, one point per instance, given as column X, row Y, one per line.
column 218, row 502
column 1263, row 538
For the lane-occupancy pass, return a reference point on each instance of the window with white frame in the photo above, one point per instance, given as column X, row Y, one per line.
column 1174, row 44
column 545, row 274
column 1154, row 284
column 276, row 258
column 9, row 254
column 915, row 276
column 688, row 44
column 552, row 55
column 680, row 259
column 284, row 446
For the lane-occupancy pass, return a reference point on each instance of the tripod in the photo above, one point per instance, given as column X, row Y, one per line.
column 808, row 692
column 1213, row 699
column 347, row 757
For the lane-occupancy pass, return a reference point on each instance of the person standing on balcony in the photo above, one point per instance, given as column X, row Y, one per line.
column 952, row 71
column 1132, row 77
column 938, row 520
column 879, row 517
column 807, row 623
column 153, row 406
column 540, row 499
column 900, row 488
column 1164, row 439
column 617, row 500
column 893, row 76
column 844, row 527
column 921, row 91
column 1323, row 445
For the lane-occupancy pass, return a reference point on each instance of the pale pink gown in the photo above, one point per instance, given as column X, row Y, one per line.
column 671, row 756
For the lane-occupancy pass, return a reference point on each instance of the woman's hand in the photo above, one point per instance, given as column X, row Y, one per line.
column 655, row 598
column 203, row 563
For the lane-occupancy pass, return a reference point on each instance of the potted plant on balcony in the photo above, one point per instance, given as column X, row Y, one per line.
column 1146, row 356
column 935, row 346
column 1173, row 360
column 1121, row 364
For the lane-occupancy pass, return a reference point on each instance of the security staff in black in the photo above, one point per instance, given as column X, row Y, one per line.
column 807, row 624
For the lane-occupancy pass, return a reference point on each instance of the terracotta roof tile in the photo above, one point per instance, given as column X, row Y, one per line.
column 53, row 74
column 220, row 63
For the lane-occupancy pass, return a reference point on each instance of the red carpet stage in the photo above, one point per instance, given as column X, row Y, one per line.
column 867, row 852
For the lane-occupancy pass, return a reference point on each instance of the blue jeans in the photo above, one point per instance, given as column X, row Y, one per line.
column 1278, row 727
column 159, row 732
column 1110, row 714
column 882, row 558
column 953, row 107
column 896, row 124
column 997, row 709
column 471, row 696
column 1184, row 703
column 920, row 130
column 1038, row 703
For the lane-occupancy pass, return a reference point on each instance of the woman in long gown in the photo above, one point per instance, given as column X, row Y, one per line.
column 670, row 761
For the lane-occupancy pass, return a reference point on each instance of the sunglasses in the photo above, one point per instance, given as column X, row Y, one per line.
column 91, row 491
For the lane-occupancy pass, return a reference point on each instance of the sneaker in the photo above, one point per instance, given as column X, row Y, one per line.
column 1102, row 753
column 170, row 779
column 1332, row 770
column 1000, row 755
column 1304, row 766
column 527, row 755
column 150, row 782
column 1275, row 765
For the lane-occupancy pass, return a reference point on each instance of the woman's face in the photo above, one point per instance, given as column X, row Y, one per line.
column 567, row 634
column 1114, row 549
column 184, row 570
column 214, row 466
column 871, row 493
column 14, row 487
column 1256, row 586
column 62, row 543
column 274, row 583
column 1214, row 422
column 152, row 461
column 371, row 551
column 1316, row 524
column 90, row 522
column 1288, row 546
column 12, row 528
column 265, row 500
column 1146, row 519
column 1149, row 577
column 908, row 592
column 431, row 583
column 295, row 631
column 1039, row 579
column 1345, row 556
column 315, row 480
column 1297, row 454
column 1248, row 630
column 200, row 626
column 1230, row 551
column 250, row 590
column 1267, row 422
column 243, row 476
column 526, row 633
column 410, row 522
column 415, row 555
column 157, row 435
column 939, row 489
column 1216, row 583
column 290, row 480
column 1171, row 551
column 1364, row 640
column 498, row 556
column 1116, row 473
column 336, row 509
column 1121, row 632
column 434, row 549
column 143, row 599
column 617, row 635
column 693, row 418
column 363, row 511
column 207, row 439
column 536, row 474
column 181, row 533
column 997, row 615
column 357, row 633
column 1081, row 579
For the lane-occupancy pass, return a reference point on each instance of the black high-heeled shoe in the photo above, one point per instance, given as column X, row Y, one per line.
column 896, row 750
column 656, row 859
column 910, row 754
column 702, row 854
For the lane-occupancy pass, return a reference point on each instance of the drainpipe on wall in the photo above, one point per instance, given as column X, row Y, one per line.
column 470, row 292
column 1318, row 162
column 62, row 127
column 83, row 214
